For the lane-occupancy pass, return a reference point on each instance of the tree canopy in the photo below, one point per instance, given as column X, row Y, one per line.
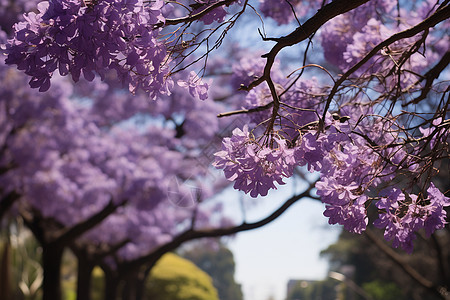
column 176, row 278
column 218, row 262
column 113, row 111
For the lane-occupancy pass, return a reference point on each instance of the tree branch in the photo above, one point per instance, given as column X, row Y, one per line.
column 439, row 16
column 302, row 32
column 209, row 233
column 430, row 76
column 198, row 15
column 246, row 111
column 7, row 202
column 396, row 258
column 72, row 233
column 97, row 254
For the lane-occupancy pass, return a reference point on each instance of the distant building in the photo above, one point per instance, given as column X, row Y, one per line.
column 293, row 283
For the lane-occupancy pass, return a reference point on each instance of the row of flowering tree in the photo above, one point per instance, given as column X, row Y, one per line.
column 121, row 176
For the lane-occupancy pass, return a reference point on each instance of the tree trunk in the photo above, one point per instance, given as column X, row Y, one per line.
column 5, row 273
column 51, row 263
column 111, row 285
column 140, row 287
column 129, row 290
column 143, row 275
column 84, row 278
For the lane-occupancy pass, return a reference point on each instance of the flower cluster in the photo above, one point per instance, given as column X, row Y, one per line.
column 403, row 214
column 255, row 168
column 350, row 170
column 339, row 32
column 74, row 38
column 246, row 70
column 344, row 170
column 437, row 132
column 348, row 38
column 196, row 86
column 70, row 158
column 351, row 167
column 373, row 33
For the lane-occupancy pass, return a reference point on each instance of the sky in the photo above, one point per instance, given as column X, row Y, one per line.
column 287, row 248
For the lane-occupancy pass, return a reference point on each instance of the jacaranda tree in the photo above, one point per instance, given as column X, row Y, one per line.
column 91, row 167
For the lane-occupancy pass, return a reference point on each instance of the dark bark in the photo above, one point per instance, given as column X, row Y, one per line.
column 130, row 284
column 84, row 278
column 7, row 201
column 54, row 241
column 192, row 234
column 112, row 282
column 51, row 264
column 69, row 234
column 140, row 287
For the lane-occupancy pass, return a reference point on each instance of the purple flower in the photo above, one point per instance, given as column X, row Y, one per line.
column 196, row 86
column 254, row 168
column 217, row 14
column 352, row 214
column 246, row 70
column 309, row 152
column 436, row 212
column 279, row 10
column 434, row 133
column 402, row 214
column 110, row 35
column 332, row 192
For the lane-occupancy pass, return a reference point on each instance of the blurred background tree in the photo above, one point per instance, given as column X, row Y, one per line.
column 383, row 277
column 173, row 278
column 218, row 262
column 176, row 278
column 21, row 276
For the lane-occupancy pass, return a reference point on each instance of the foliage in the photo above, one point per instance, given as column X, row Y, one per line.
column 218, row 262
column 25, row 269
column 176, row 278
column 98, row 284
column 379, row 290
column 381, row 275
